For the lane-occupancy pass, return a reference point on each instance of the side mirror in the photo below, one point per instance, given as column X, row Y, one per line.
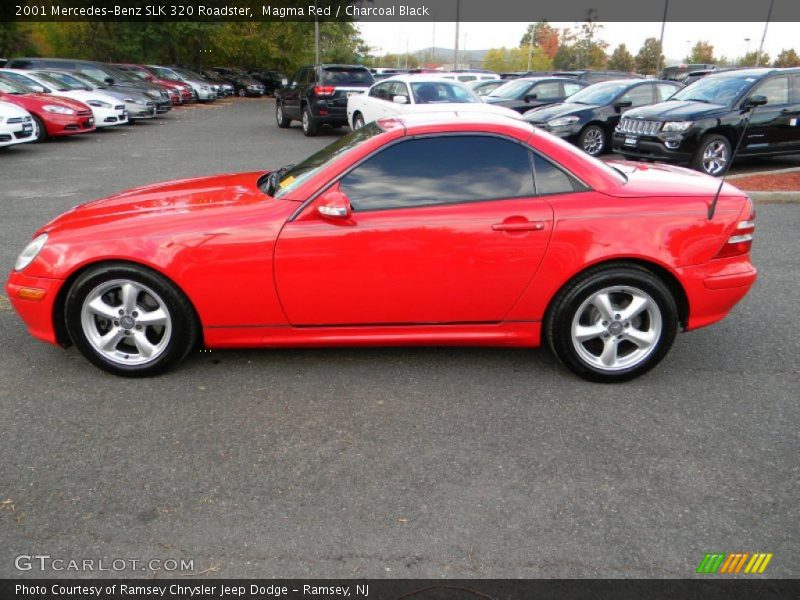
column 529, row 97
column 109, row 80
column 623, row 104
column 40, row 89
column 753, row 101
column 334, row 205
column 400, row 99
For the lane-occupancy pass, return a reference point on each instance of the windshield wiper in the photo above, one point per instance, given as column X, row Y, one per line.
column 697, row 100
column 274, row 179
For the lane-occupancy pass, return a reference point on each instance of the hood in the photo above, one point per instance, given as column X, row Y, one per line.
column 659, row 180
column 84, row 96
column 675, row 110
column 562, row 109
column 10, row 111
column 179, row 196
column 39, row 100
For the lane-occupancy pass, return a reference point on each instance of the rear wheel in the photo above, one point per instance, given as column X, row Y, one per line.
column 310, row 127
column 41, row 131
column 613, row 323
column 358, row 121
column 713, row 155
column 129, row 320
column 592, row 140
column 280, row 116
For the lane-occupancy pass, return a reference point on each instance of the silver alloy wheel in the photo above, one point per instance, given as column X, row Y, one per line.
column 358, row 122
column 305, row 120
column 715, row 157
column 126, row 322
column 279, row 114
column 616, row 328
column 593, row 141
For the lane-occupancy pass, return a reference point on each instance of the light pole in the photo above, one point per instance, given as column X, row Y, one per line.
column 746, row 47
column 455, row 52
column 661, row 41
column 764, row 35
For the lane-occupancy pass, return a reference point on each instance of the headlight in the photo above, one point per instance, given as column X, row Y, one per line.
column 30, row 252
column 563, row 121
column 98, row 104
column 61, row 110
column 677, row 126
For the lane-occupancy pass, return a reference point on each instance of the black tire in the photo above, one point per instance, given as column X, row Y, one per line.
column 593, row 140
column 41, row 131
column 358, row 121
column 576, row 301
column 171, row 342
column 310, row 126
column 242, row 93
column 709, row 143
column 280, row 116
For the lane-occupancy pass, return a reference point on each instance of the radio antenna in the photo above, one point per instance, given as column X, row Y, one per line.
column 751, row 105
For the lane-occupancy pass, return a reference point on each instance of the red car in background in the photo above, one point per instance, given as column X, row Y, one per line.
column 178, row 93
column 55, row 116
column 430, row 229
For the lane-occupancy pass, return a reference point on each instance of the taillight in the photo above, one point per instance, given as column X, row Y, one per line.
column 324, row 90
column 741, row 238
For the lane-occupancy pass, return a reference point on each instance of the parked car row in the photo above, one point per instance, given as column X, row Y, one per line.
column 699, row 125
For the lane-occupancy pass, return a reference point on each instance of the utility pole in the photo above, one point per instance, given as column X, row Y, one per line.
column 316, row 34
column 661, row 41
column 455, row 53
column 433, row 43
column 406, row 54
column 530, row 50
column 764, row 36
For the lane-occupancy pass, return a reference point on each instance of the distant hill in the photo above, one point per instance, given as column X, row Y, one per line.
column 445, row 55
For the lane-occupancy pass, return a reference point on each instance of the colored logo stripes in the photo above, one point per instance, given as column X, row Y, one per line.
column 734, row 562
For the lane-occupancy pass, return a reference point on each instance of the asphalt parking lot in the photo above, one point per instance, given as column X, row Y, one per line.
column 416, row 462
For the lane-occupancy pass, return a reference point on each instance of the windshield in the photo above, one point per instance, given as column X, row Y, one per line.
column 433, row 92
column 599, row 93
column 165, row 73
column 91, row 81
column 55, row 83
column 715, row 89
column 22, row 80
column 290, row 177
column 346, row 76
column 511, row 90
column 68, row 80
column 11, row 87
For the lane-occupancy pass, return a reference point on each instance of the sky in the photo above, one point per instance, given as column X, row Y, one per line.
column 728, row 39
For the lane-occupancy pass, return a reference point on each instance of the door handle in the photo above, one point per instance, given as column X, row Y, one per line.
column 519, row 226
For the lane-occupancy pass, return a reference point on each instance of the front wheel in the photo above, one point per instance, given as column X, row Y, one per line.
column 592, row 140
column 41, row 130
column 129, row 320
column 612, row 324
column 713, row 156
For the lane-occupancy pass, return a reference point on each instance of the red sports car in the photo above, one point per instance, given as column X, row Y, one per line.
column 54, row 115
column 430, row 229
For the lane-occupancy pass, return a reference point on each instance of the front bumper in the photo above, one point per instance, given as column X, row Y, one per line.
column 36, row 314
column 655, row 146
column 715, row 287
column 106, row 117
column 140, row 111
column 59, row 125
column 16, row 133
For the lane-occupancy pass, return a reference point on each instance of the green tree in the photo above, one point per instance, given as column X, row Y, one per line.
column 749, row 59
column 621, row 59
column 787, row 58
column 702, row 53
column 15, row 39
column 649, row 57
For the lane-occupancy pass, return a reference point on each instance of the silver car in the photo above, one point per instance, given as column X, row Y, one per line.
column 203, row 91
column 138, row 105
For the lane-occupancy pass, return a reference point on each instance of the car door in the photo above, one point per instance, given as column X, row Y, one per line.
column 291, row 95
column 376, row 102
column 770, row 126
column 794, row 113
column 444, row 229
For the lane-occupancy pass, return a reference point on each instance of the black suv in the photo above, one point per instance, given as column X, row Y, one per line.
column 317, row 95
column 703, row 122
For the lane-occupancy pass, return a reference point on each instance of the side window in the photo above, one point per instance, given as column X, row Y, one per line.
column 552, row 180
column 795, row 89
column 776, row 90
column 381, row 91
column 398, row 89
column 297, row 78
column 440, row 170
column 664, row 91
column 547, row 90
column 571, row 88
column 639, row 95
